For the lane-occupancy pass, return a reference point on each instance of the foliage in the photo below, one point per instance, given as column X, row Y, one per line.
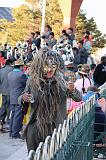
column 27, row 18
column 54, row 16
column 83, row 24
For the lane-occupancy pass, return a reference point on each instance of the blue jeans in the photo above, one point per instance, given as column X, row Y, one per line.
column 16, row 120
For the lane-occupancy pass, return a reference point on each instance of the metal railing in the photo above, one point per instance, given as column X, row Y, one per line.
column 72, row 140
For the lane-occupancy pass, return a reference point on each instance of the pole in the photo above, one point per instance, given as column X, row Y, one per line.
column 43, row 16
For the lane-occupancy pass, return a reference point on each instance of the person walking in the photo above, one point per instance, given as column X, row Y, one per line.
column 5, row 108
column 47, row 92
column 17, row 82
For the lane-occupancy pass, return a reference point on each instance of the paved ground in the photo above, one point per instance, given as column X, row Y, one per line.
column 12, row 149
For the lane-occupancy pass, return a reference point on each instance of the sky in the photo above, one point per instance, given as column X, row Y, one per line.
column 96, row 9
column 93, row 8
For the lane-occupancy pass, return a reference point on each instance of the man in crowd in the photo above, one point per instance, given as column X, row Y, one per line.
column 5, row 108
column 71, row 35
column 83, row 53
column 100, row 72
column 47, row 32
column 51, row 40
column 37, row 40
column 17, row 82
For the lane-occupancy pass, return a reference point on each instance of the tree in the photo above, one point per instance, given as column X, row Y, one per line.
column 83, row 24
column 54, row 16
column 80, row 25
column 27, row 18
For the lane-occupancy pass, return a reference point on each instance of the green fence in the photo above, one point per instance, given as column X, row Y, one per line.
column 72, row 140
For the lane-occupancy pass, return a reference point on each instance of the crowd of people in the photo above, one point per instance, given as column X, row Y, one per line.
column 54, row 77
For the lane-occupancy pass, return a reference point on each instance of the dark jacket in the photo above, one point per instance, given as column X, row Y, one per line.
column 99, row 126
column 17, row 82
column 4, row 79
column 83, row 55
column 37, row 42
column 100, row 74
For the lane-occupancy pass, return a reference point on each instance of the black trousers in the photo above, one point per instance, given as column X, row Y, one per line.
column 5, row 108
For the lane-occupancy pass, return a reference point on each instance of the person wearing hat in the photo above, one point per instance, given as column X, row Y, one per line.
column 69, row 73
column 17, row 82
column 84, row 81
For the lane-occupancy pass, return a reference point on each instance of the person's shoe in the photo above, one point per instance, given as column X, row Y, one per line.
column 1, row 125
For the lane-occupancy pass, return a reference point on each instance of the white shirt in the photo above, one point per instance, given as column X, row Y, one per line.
column 79, row 84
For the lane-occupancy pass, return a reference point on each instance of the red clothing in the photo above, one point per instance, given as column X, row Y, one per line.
column 90, row 38
column 2, row 61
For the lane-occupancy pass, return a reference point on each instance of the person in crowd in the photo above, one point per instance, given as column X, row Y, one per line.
column 2, row 59
column 51, row 41
column 77, row 73
column 87, row 44
column 32, row 38
column 47, row 32
column 5, row 108
column 66, row 40
column 90, row 60
column 37, row 39
column 76, row 60
column 47, row 92
column 69, row 73
column 100, row 117
column 17, row 82
column 92, row 69
column 83, row 53
column 63, row 32
column 84, row 81
column 100, row 72
column 28, row 69
column 69, row 31
column 87, row 33
column 62, row 53
column 5, row 51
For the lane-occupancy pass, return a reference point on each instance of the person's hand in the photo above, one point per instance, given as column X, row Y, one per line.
column 26, row 97
column 70, row 86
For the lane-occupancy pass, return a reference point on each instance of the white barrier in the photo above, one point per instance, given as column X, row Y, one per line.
column 48, row 149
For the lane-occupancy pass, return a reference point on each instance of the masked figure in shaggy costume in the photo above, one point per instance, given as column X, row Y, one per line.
column 47, row 91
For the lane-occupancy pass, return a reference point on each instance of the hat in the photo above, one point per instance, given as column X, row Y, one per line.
column 19, row 62
column 93, row 89
column 68, row 64
column 79, row 66
column 84, row 69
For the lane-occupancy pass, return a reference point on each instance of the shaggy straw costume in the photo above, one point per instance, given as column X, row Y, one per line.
column 49, row 108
